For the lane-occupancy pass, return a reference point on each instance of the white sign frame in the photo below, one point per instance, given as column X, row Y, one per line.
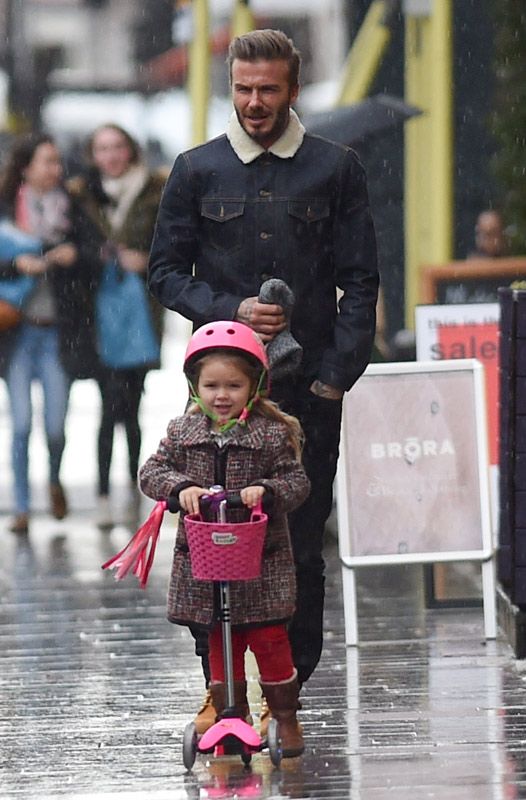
column 483, row 554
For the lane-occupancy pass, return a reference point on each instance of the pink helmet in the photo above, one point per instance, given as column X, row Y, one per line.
column 225, row 334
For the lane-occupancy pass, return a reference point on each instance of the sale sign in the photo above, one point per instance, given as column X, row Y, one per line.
column 465, row 331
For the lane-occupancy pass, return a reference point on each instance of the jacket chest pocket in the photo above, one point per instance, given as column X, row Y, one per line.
column 309, row 218
column 222, row 222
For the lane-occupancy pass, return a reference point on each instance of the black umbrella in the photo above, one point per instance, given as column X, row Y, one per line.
column 349, row 124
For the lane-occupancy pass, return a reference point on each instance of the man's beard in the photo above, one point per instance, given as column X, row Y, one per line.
column 280, row 125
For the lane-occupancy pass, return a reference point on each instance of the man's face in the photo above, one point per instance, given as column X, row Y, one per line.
column 490, row 237
column 262, row 96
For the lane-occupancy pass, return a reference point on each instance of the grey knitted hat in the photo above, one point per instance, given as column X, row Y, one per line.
column 283, row 352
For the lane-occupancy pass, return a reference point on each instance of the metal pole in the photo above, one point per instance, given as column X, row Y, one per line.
column 442, row 131
column 226, row 628
column 365, row 56
column 243, row 18
column 22, row 114
column 428, row 146
column 199, row 71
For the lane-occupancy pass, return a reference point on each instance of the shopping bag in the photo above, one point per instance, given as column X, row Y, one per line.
column 15, row 290
column 125, row 333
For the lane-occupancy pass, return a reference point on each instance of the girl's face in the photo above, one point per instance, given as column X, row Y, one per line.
column 223, row 388
column 111, row 153
column 44, row 171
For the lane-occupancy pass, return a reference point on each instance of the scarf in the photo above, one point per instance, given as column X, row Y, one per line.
column 122, row 192
column 45, row 216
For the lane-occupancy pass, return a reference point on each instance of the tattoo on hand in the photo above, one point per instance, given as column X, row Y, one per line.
column 245, row 311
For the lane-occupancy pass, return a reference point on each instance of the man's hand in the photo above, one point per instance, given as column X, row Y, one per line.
column 324, row 390
column 265, row 318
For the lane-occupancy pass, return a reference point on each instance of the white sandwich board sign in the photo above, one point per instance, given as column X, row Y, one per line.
column 412, row 483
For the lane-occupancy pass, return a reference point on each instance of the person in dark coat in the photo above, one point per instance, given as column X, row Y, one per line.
column 268, row 200
column 234, row 437
column 121, row 196
column 54, row 342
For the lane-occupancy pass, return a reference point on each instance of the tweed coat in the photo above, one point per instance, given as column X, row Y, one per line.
column 257, row 453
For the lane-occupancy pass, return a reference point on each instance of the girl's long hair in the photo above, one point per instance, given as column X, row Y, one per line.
column 263, row 407
column 20, row 156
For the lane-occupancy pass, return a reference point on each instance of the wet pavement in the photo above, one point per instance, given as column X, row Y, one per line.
column 96, row 687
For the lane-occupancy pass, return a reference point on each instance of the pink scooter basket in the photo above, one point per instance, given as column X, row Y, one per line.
column 226, row 551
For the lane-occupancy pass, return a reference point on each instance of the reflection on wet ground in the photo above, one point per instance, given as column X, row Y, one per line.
column 96, row 688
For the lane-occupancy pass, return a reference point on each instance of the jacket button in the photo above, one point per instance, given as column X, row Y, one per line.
column 264, row 193
column 265, row 235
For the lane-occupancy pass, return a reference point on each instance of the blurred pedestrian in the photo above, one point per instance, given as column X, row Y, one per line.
column 122, row 196
column 54, row 341
column 490, row 236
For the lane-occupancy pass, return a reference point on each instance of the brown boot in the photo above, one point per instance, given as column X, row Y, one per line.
column 206, row 716
column 264, row 717
column 218, row 692
column 57, row 499
column 282, row 699
column 20, row 524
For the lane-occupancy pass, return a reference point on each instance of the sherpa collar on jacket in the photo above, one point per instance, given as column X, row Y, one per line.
column 247, row 150
column 196, row 430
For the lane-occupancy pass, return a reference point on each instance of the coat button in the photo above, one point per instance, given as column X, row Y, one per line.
column 265, row 235
column 264, row 193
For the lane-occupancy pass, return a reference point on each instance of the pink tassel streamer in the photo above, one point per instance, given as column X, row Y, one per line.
column 138, row 555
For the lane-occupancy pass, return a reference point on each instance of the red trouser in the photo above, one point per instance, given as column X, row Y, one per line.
column 271, row 648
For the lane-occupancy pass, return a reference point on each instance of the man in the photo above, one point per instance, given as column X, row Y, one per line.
column 266, row 200
column 490, row 237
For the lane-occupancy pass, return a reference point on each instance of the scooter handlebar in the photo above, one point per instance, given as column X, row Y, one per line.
column 233, row 500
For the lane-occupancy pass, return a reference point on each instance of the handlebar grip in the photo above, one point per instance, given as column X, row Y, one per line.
column 234, row 500
column 172, row 504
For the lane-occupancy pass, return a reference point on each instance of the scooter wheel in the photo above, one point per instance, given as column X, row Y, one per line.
column 189, row 745
column 246, row 758
column 274, row 742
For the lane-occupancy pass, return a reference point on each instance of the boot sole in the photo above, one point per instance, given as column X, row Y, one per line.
column 292, row 753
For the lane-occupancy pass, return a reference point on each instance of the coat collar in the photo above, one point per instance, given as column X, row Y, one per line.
column 247, row 150
column 196, row 430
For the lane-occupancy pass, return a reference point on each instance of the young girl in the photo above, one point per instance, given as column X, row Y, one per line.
column 233, row 436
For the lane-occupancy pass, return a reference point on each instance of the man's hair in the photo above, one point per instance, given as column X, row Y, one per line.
column 266, row 45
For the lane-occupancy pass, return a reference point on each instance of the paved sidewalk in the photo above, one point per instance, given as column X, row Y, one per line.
column 96, row 687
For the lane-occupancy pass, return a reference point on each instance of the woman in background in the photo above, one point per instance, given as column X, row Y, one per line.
column 121, row 196
column 54, row 343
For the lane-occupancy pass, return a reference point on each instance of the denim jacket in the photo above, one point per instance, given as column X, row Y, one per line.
column 224, row 227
